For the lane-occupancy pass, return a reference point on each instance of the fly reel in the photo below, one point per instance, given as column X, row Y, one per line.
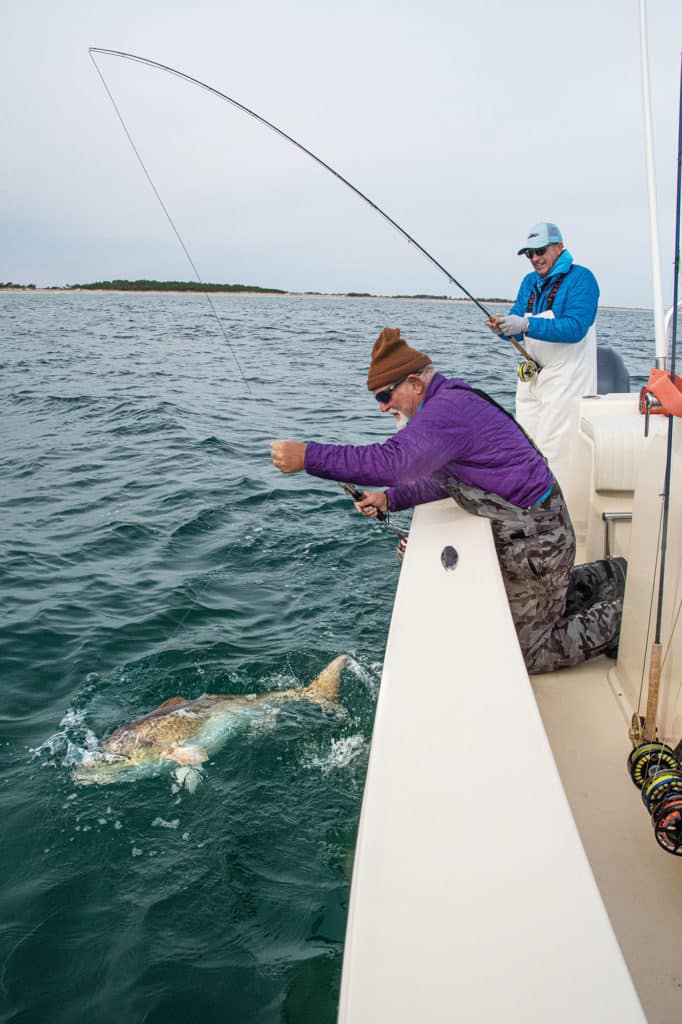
column 659, row 787
column 648, row 759
column 667, row 819
column 657, row 773
column 528, row 371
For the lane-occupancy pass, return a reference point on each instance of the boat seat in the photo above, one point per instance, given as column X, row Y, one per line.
column 612, row 373
column 618, row 443
column 615, row 449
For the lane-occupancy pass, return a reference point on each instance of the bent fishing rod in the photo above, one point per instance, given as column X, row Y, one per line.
column 288, row 138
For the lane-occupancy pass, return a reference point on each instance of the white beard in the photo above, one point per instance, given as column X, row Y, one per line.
column 400, row 419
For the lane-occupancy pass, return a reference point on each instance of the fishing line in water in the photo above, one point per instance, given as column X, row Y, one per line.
column 193, row 593
column 168, row 216
column 327, row 167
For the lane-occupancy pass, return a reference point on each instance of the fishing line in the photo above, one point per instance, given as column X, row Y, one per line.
column 168, row 216
column 288, row 138
column 193, row 593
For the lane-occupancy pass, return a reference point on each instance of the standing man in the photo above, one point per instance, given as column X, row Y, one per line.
column 553, row 318
column 458, row 442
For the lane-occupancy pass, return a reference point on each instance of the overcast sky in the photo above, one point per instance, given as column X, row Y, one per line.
column 465, row 122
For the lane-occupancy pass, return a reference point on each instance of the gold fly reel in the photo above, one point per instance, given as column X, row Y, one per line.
column 528, row 370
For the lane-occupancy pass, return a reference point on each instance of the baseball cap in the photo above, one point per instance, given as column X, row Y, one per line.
column 540, row 235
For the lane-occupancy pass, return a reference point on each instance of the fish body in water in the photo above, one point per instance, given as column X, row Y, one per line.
column 183, row 734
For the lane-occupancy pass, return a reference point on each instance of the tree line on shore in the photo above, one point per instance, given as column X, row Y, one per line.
column 122, row 285
column 170, row 286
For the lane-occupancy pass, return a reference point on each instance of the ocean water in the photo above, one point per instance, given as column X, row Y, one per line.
column 149, row 549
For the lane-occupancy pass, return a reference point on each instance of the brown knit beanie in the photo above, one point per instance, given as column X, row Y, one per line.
column 392, row 358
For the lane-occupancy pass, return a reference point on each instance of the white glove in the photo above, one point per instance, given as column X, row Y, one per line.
column 511, row 325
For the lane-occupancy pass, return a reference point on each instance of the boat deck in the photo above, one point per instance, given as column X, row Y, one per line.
column 586, row 720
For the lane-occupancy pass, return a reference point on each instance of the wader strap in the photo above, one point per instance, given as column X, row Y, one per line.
column 552, row 295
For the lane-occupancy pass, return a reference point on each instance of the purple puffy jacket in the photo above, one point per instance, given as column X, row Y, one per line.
column 456, row 432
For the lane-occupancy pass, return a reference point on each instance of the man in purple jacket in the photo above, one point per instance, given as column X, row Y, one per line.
column 457, row 441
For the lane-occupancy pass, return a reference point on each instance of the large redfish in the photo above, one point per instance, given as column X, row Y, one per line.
column 186, row 733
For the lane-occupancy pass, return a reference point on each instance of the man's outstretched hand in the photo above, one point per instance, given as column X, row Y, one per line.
column 288, row 456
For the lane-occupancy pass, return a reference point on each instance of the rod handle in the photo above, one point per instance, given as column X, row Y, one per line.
column 652, row 692
column 358, row 495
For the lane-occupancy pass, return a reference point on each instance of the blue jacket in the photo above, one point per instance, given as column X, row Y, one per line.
column 574, row 306
column 455, row 431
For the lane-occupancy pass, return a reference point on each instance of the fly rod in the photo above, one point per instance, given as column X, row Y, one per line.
column 655, row 657
column 288, row 138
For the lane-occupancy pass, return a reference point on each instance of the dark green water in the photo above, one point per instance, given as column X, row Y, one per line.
column 149, row 549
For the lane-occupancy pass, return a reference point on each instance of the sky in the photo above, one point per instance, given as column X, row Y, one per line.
column 466, row 123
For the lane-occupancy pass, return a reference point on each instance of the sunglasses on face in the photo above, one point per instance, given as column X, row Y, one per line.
column 383, row 396
column 536, row 252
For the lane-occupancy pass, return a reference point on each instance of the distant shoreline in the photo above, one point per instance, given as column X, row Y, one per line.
column 249, row 291
column 281, row 295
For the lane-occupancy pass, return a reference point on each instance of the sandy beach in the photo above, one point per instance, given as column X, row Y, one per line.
column 265, row 294
column 286, row 295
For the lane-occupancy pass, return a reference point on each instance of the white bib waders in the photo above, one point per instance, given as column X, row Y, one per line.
column 543, row 405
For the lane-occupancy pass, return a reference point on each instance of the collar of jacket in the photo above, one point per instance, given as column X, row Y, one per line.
column 438, row 381
column 435, row 384
column 562, row 266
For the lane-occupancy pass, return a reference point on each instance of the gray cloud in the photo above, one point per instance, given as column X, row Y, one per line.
column 466, row 125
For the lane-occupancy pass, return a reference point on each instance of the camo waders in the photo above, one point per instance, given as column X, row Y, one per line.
column 536, row 549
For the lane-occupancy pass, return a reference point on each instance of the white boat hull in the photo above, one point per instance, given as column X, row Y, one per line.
column 472, row 897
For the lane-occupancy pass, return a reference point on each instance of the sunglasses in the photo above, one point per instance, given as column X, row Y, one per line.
column 384, row 395
column 536, row 252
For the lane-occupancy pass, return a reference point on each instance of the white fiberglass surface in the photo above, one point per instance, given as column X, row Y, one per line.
column 472, row 898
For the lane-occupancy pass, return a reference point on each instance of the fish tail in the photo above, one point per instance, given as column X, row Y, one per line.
column 326, row 686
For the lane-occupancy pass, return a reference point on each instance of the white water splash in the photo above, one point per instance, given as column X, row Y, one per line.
column 73, row 739
column 340, row 755
column 162, row 823
column 189, row 776
column 369, row 676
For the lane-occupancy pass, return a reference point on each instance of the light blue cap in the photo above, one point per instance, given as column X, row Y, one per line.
column 540, row 235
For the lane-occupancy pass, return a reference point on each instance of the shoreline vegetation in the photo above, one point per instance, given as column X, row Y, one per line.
column 178, row 287
column 195, row 286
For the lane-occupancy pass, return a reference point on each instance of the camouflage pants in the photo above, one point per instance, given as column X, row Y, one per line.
column 563, row 615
